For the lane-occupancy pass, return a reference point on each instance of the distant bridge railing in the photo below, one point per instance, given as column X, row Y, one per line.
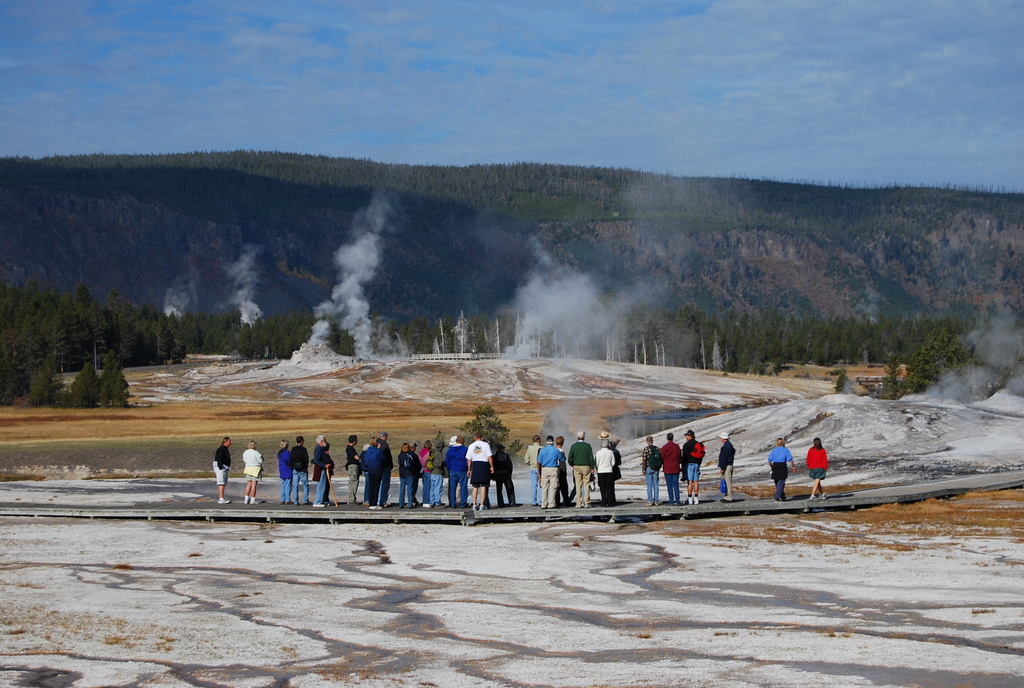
column 453, row 357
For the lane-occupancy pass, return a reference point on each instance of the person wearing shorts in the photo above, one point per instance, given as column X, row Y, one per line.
column 481, row 463
column 221, row 466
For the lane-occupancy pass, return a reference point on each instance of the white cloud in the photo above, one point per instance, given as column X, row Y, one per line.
column 869, row 92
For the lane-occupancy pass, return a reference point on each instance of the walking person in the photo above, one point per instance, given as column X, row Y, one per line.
column 221, row 467
column 531, row 460
column 650, row 466
column 604, row 461
column 323, row 466
column 253, row 461
column 353, row 469
column 284, row 470
column 778, row 458
column 503, row 468
column 726, row 458
column 300, row 470
column 817, row 463
column 408, row 470
column 481, row 460
column 671, row 465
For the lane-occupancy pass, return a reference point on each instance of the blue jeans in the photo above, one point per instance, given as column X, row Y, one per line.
column 300, row 480
column 672, row 484
column 458, row 480
column 373, row 481
column 436, row 487
column 535, row 489
column 406, row 491
column 286, row 489
column 321, row 489
column 652, row 485
column 385, row 488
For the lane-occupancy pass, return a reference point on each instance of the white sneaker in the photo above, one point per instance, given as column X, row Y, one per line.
column 695, row 500
column 223, row 501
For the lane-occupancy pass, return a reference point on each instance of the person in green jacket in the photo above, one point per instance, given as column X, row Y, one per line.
column 581, row 458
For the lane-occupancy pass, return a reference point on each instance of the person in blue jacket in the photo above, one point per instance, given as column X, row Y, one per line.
column 458, row 472
column 778, row 458
column 372, row 464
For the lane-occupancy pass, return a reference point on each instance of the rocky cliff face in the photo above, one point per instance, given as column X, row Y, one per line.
column 438, row 262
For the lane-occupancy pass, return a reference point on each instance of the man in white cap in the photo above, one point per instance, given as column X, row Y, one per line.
column 726, row 456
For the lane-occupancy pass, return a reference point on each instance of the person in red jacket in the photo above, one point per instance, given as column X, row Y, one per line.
column 817, row 462
column 671, row 465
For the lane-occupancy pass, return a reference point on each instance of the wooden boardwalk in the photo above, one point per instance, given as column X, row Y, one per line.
column 625, row 511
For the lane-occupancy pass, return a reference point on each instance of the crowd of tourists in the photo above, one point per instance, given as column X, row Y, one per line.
column 470, row 469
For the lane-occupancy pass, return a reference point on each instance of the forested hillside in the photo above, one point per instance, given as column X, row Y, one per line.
column 167, row 230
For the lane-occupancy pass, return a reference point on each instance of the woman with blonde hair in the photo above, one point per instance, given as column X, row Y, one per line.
column 253, row 471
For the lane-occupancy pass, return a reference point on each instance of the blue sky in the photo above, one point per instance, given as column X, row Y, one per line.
column 867, row 92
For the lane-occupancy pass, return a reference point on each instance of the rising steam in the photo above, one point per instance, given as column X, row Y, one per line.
column 562, row 314
column 244, row 279
column 998, row 349
column 357, row 263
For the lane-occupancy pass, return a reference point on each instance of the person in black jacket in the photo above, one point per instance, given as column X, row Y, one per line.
column 726, row 457
column 503, row 476
column 221, row 466
column 300, row 470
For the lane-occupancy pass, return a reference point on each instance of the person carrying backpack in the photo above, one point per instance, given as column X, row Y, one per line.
column 693, row 456
column 650, row 465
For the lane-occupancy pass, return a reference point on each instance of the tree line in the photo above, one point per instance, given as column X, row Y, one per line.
column 48, row 335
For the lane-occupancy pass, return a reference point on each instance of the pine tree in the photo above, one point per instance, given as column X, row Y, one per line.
column 84, row 391
column 113, row 386
column 46, row 385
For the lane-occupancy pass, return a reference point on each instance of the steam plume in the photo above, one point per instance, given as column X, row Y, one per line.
column 244, row 278
column 999, row 351
column 562, row 314
column 357, row 263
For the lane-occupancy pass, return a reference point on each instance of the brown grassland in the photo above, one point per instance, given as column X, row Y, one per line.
column 179, row 439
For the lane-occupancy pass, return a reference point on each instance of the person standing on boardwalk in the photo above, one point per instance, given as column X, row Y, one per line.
column 481, row 461
column 563, row 497
column 548, row 459
column 458, row 470
column 671, row 465
column 221, row 467
column 503, row 468
column 253, row 461
column 353, row 469
column 285, row 472
column 433, row 475
column 322, row 461
column 373, row 470
column 531, row 460
column 581, row 458
column 389, row 466
column 693, row 457
column 300, row 470
column 408, row 471
column 650, row 466
column 817, row 463
column 778, row 458
column 726, row 457
column 604, row 462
